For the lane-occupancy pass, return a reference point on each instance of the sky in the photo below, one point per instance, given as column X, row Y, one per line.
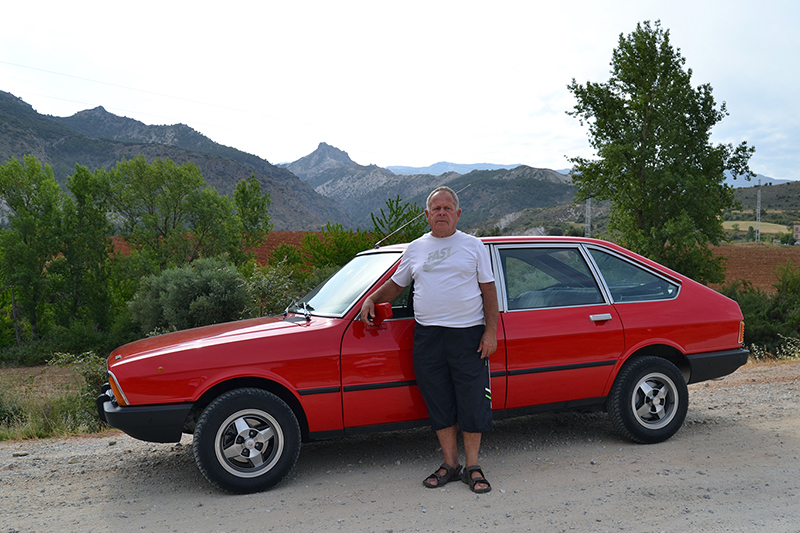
column 397, row 83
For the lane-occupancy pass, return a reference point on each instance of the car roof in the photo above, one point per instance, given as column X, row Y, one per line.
column 513, row 239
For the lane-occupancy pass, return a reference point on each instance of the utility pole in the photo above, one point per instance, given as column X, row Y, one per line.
column 587, row 230
column 758, row 213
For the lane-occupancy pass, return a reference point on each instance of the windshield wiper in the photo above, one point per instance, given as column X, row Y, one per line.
column 303, row 307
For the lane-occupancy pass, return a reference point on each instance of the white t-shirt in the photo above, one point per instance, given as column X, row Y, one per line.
column 446, row 273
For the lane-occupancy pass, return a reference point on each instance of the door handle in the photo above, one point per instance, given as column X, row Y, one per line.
column 605, row 317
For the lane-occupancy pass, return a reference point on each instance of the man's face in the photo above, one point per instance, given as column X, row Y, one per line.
column 442, row 214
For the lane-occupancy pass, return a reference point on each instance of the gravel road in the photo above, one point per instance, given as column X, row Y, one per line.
column 732, row 467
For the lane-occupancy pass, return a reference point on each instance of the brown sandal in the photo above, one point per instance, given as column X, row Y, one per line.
column 450, row 474
column 466, row 477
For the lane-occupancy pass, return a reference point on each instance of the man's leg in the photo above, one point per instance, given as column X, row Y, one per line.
column 448, row 439
column 472, row 445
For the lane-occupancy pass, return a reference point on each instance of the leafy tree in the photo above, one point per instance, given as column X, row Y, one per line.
column 401, row 222
column 168, row 214
column 33, row 238
column 152, row 202
column 86, row 250
column 651, row 129
column 251, row 208
column 336, row 246
column 287, row 254
column 212, row 228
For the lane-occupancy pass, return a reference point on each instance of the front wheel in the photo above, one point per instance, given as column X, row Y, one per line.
column 649, row 400
column 247, row 440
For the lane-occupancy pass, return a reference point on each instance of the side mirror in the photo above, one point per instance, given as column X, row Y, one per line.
column 383, row 311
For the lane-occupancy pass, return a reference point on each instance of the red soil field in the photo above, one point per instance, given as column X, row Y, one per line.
column 757, row 263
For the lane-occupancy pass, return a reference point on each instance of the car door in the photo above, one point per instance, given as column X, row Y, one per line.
column 562, row 335
column 378, row 385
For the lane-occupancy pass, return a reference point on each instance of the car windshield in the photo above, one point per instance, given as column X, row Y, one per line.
column 339, row 292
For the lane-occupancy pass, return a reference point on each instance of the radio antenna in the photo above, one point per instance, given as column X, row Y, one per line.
column 378, row 244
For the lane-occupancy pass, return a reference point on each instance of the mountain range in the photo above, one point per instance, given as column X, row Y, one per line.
column 487, row 194
column 324, row 186
column 96, row 138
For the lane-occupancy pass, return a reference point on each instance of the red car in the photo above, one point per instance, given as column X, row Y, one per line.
column 584, row 325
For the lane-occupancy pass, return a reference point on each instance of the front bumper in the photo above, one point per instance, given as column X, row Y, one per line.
column 152, row 423
column 711, row 365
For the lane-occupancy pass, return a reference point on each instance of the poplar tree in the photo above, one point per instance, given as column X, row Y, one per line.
column 654, row 160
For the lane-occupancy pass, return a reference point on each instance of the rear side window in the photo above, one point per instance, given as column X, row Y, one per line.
column 547, row 277
column 631, row 283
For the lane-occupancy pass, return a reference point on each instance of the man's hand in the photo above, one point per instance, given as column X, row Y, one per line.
column 368, row 311
column 385, row 293
column 488, row 344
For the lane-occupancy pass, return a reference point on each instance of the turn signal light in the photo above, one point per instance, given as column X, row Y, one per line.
column 115, row 388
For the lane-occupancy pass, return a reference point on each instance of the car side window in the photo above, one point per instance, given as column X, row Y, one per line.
column 630, row 283
column 547, row 277
column 403, row 305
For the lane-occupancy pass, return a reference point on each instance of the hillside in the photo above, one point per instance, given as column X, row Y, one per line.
column 96, row 138
column 782, row 197
column 487, row 193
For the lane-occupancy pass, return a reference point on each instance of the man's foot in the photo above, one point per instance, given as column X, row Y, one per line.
column 445, row 474
column 473, row 476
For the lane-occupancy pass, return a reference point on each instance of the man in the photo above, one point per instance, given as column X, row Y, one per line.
column 456, row 312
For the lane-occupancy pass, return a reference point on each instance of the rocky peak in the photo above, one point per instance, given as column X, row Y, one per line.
column 323, row 159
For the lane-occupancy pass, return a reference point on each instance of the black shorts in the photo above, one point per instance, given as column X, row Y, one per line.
column 452, row 377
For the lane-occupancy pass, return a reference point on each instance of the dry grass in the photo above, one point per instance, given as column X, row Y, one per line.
column 43, row 401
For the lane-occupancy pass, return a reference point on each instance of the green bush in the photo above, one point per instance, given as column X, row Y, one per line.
column 772, row 322
column 91, row 369
column 208, row 291
column 272, row 289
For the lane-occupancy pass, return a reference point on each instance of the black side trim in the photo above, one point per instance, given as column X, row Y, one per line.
column 584, row 405
column 322, row 390
column 558, row 368
column 360, row 430
column 713, row 365
column 324, row 435
column 378, row 386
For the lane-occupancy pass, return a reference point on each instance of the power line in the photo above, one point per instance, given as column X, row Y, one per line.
column 118, row 86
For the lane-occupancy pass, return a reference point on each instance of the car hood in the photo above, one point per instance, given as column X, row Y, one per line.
column 215, row 334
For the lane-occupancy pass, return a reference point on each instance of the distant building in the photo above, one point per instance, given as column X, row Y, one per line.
column 796, row 233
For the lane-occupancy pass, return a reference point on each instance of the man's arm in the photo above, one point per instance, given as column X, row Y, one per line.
column 385, row 293
column 491, row 314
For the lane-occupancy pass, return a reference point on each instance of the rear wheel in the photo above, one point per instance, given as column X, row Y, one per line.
column 649, row 400
column 247, row 440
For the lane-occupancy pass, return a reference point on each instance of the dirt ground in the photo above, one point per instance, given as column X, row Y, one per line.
column 732, row 467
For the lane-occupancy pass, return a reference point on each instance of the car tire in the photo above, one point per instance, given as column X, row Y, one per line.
column 649, row 400
column 247, row 440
